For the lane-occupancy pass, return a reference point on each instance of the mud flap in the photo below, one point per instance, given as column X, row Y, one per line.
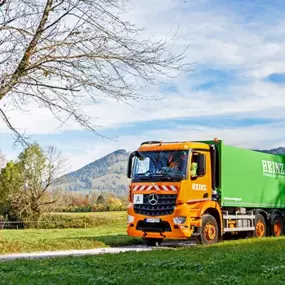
column 196, row 231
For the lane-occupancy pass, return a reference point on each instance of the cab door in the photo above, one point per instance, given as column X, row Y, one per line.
column 199, row 176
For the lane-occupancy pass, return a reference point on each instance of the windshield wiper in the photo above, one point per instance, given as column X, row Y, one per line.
column 169, row 177
column 166, row 175
column 142, row 176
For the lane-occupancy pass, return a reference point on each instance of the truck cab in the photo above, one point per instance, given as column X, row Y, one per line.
column 174, row 192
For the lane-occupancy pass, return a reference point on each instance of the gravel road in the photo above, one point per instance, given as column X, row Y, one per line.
column 96, row 251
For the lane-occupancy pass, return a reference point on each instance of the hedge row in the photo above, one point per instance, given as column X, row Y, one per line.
column 61, row 221
column 88, row 208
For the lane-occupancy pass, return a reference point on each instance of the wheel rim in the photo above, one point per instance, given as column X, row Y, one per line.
column 260, row 229
column 210, row 232
column 277, row 228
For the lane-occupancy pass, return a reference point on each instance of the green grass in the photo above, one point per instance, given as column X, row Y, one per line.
column 235, row 263
column 30, row 240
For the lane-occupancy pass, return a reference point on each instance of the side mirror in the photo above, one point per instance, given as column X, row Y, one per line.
column 130, row 162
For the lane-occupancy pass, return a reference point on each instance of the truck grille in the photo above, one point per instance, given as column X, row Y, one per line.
column 157, row 227
column 165, row 205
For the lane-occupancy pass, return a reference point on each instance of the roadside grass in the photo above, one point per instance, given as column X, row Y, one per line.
column 235, row 262
column 111, row 233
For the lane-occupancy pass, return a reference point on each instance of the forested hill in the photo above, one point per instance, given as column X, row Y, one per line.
column 105, row 174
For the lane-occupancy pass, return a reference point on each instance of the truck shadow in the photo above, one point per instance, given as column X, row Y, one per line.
column 110, row 240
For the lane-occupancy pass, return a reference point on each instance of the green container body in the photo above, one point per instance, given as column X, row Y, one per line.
column 250, row 179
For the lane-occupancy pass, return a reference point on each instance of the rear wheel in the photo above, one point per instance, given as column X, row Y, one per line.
column 276, row 224
column 260, row 226
column 210, row 230
column 152, row 241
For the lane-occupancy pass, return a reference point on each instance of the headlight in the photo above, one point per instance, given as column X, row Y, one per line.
column 179, row 220
column 130, row 219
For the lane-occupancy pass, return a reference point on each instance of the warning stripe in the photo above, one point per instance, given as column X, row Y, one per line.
column 155, row 187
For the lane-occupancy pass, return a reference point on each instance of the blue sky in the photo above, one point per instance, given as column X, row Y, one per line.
column 235, row 91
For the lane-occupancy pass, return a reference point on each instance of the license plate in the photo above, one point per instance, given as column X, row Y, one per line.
column 152, row 220
column 138, row 198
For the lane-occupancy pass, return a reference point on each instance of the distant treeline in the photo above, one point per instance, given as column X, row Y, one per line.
column 77, row 202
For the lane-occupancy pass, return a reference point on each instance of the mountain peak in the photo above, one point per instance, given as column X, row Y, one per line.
column 278, row 150
column 105, row 174
column 119, row 151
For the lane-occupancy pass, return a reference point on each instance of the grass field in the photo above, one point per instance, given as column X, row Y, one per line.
column 112, row 234
column 236, row 263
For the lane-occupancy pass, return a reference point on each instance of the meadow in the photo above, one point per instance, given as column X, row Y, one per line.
column 242, row 262
column 109, row 230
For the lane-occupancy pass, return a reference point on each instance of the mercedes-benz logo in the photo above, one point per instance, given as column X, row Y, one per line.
column 153, row 199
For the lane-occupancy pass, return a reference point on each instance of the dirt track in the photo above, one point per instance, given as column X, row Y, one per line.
column 97, row 251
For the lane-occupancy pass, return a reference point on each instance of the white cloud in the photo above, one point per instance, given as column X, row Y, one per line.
column 218, row 38
column 256, row 99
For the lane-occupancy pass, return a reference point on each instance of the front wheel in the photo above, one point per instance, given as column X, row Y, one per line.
column 152, row 241
column 210, row 230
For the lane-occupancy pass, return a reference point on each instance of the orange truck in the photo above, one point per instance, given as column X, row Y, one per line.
column 204, row 190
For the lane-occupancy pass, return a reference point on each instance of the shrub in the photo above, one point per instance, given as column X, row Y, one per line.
column 2, row 222
column 99, row 207
column 61, row 221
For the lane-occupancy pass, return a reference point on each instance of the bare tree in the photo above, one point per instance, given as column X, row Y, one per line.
column 36, row 170
column 57, row 52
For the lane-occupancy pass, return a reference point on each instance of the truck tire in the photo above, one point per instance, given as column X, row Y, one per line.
column 276, row 225
column 260, row 226
column 152, row 241
column 210, row 230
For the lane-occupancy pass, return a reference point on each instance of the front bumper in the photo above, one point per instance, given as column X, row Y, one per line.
column 165, row 228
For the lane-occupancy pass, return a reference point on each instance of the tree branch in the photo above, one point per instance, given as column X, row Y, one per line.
column 2, row 2
column 20, row 70
column 60, row 52
column 19, row 138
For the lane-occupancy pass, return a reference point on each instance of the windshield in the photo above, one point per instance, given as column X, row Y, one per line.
column 160, row 166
